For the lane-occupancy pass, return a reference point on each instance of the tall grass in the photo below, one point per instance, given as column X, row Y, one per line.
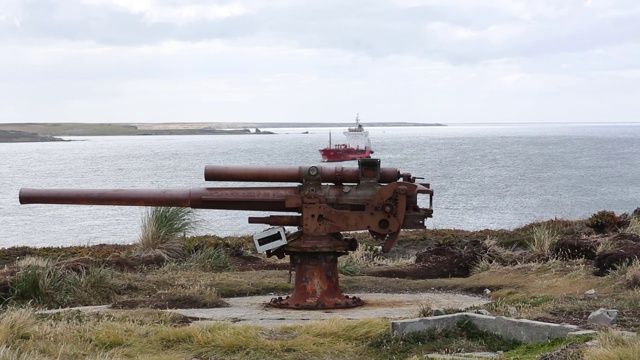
column 542, row 242
column 215, row 258
column 629, row 272
column 145, row 334
column 41, row 282
column 15, row 325
column 613, row 345
column 634, row 226
column 161, row 230
column 484, row 265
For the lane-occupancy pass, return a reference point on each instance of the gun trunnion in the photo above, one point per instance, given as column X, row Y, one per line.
column 328, row 200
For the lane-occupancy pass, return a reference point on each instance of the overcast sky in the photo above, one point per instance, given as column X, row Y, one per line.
column 446, row 61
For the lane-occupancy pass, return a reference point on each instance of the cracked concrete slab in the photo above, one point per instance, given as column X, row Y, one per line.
column 253, row 310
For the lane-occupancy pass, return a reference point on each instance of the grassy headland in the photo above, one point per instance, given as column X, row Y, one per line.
column 540, row 271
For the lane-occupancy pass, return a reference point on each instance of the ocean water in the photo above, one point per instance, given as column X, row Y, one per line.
column 483, row 176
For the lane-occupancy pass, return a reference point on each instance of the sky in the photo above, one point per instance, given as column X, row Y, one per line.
column 427, row 61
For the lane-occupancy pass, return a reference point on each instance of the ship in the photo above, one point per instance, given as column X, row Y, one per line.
column 357, row 145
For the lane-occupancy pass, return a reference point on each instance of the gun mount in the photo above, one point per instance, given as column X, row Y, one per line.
column 328, row 200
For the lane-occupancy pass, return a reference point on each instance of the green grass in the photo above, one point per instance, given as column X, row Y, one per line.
column 534, row 351
column 348, row 267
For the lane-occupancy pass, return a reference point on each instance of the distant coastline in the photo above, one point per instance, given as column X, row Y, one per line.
column 11, row 136
column 34, row 132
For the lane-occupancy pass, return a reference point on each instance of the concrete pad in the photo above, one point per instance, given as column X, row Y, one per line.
column 253, row 310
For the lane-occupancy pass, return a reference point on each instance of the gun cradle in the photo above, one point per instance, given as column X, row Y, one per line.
column 380, row 200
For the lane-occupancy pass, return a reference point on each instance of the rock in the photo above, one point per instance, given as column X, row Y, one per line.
column 437, row 311
column 591, row 294
column 602, row 316
column 628, row 334
column 487, row 292
column 483, row 312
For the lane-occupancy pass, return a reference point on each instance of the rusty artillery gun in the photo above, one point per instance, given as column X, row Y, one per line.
column 328, row 200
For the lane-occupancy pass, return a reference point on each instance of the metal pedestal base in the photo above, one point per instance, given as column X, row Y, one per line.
column 316, row 284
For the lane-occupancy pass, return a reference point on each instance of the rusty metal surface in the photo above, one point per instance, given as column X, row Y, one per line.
column 364, row 198
column 105, row 197
column 259, row 199
column 336, row 175
column 316, row 284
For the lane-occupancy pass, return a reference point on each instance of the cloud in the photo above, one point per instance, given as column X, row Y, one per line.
column 117, row 60
column 174, row 12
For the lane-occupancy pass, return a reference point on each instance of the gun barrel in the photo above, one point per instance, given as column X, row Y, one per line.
column 259, row 199
column 105, row 197
column 294, row 174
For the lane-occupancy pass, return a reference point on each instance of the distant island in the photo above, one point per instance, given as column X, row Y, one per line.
column 31, row 132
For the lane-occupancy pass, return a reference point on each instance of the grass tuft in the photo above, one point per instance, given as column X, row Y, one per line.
column 613, row 345
column 347, row 266
column 40, row 282
column 161, row 230
column 629, row 272
column 483, row 265
column 634, row 226
column 542, row 242
column 16, row 324
column 210, row 259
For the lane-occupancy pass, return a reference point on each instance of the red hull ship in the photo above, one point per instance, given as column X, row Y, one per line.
column 357, row 146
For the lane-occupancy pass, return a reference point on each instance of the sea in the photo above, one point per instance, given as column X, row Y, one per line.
column 484, row 176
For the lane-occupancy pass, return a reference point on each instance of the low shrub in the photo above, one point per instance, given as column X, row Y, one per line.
column 603, row 222
column 346, row 266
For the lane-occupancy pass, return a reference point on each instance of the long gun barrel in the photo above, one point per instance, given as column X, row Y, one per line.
column 260, row 199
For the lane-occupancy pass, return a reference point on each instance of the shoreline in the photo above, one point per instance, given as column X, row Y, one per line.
column 220, row 128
